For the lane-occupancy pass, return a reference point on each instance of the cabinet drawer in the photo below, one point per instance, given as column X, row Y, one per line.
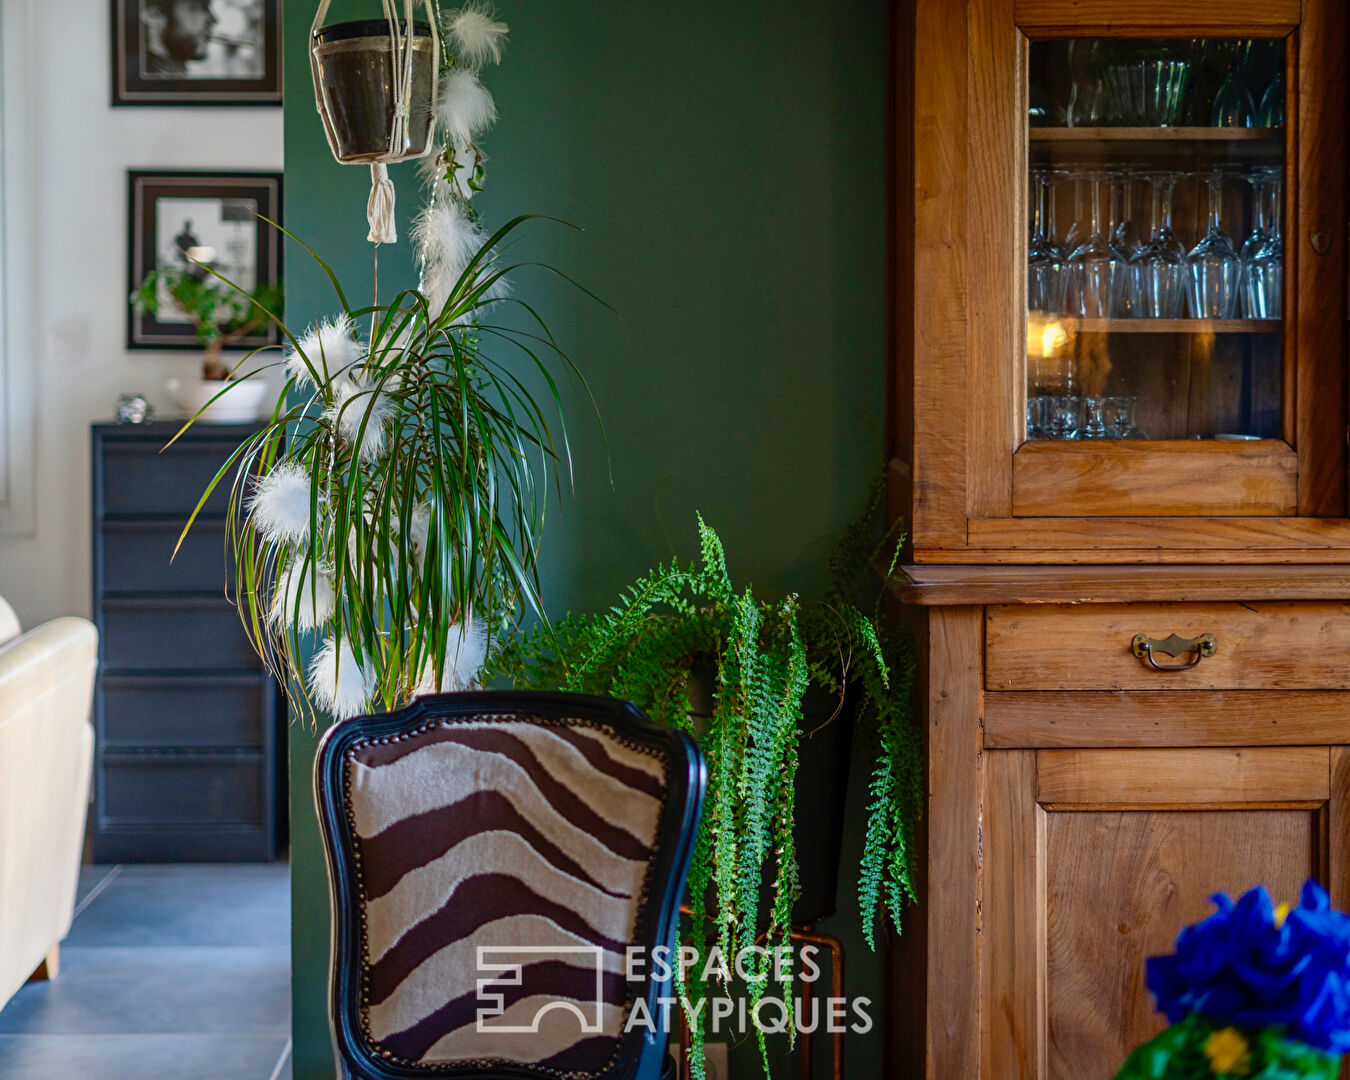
column 174, row 635
column 141, row 712
column 138, row 557
column 1260, row 646
column 178, row 790
column 138, row 479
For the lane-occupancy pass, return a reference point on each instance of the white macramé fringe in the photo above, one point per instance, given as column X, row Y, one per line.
column 380, row 209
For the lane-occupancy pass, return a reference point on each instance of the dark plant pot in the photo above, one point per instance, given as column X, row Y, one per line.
column 822, row 789
column 354, row 80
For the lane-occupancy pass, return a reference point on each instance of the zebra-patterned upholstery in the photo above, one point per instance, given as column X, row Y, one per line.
column 493, row 857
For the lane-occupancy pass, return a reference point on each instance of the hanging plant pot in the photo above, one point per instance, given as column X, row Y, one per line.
column 375, row 88
column 358, row 73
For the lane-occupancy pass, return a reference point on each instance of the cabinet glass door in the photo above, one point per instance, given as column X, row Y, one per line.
column 1155, row 243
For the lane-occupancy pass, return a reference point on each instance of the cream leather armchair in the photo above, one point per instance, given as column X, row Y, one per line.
column 46, row 756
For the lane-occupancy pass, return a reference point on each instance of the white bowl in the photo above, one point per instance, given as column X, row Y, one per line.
column 241, row 402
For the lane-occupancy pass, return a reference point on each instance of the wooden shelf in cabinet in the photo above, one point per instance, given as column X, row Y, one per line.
column 1272, row 136
column 1184, row 149
column 1171, row 326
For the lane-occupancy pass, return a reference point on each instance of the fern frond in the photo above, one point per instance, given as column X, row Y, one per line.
column 647, row 647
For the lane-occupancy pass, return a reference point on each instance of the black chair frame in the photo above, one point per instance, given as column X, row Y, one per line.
column 642, row 1054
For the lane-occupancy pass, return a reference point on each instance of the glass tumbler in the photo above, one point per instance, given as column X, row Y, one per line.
column 1094, row 419
column 1120, row 418
column 1148, row 88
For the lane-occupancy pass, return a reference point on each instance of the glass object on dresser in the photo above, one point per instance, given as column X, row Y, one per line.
column 1154, row 254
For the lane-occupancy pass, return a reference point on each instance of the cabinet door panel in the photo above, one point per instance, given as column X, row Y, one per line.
column 1079, row 892
column 1119, row 886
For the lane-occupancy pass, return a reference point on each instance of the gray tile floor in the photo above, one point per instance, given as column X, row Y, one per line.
column 168, row 972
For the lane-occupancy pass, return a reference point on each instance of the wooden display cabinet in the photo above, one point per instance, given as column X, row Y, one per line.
column 1128, row 515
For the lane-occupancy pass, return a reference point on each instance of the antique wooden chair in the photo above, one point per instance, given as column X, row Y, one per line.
column 492, row 857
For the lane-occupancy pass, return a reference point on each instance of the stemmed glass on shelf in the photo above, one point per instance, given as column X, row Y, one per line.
column 1233, row 102
column 1087, row 93
column 1091, row 263
column 1046, row 277
column 1259, row 179
column 1270, row 114
column 1212, row 265
column 1124, row 245
column 1263, row 267
column 1158, row 268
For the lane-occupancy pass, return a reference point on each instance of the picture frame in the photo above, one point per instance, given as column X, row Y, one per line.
column 196, row 52
column 170, row 213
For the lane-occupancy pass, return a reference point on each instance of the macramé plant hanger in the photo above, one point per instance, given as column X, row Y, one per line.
column 375, row 85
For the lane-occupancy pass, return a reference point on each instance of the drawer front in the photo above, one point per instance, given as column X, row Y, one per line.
column 139, row 479
column 143, row 713
column 1260, row 646
column 146, row 635
column 175, row 790
column 138, row 557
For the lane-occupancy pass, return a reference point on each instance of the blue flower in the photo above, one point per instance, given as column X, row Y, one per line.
column 1252, row 967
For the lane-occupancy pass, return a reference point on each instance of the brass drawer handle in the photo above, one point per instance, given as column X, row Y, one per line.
column 1174, row 646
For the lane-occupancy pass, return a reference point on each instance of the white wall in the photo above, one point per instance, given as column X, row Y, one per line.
column 81, row 151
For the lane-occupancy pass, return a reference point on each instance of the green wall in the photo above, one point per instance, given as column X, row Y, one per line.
column 727, row 163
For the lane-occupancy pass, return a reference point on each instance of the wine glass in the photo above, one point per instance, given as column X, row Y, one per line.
column 1233, row 104
column 1157, row 270
column 1212, row 265
column 1124, row 244
column 1090, row 264
column 1046, row 278
column 1087, row 95
column 1264, row 278
column 1259, row 181
column 1074, row 236
column 1270, row 113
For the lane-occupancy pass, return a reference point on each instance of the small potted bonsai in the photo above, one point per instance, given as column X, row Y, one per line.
column 220, row 315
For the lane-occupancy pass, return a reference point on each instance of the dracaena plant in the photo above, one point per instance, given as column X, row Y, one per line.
column 390, row 510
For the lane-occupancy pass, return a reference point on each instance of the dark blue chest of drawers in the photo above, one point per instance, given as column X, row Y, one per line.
column 187, row 764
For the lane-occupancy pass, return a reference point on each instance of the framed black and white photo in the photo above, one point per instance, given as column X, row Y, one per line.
column 196, row 52
column 180, row 219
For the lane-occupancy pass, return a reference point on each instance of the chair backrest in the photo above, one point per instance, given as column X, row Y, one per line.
column 492, row 859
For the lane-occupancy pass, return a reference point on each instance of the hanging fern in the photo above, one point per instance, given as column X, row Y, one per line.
column 645, row 649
